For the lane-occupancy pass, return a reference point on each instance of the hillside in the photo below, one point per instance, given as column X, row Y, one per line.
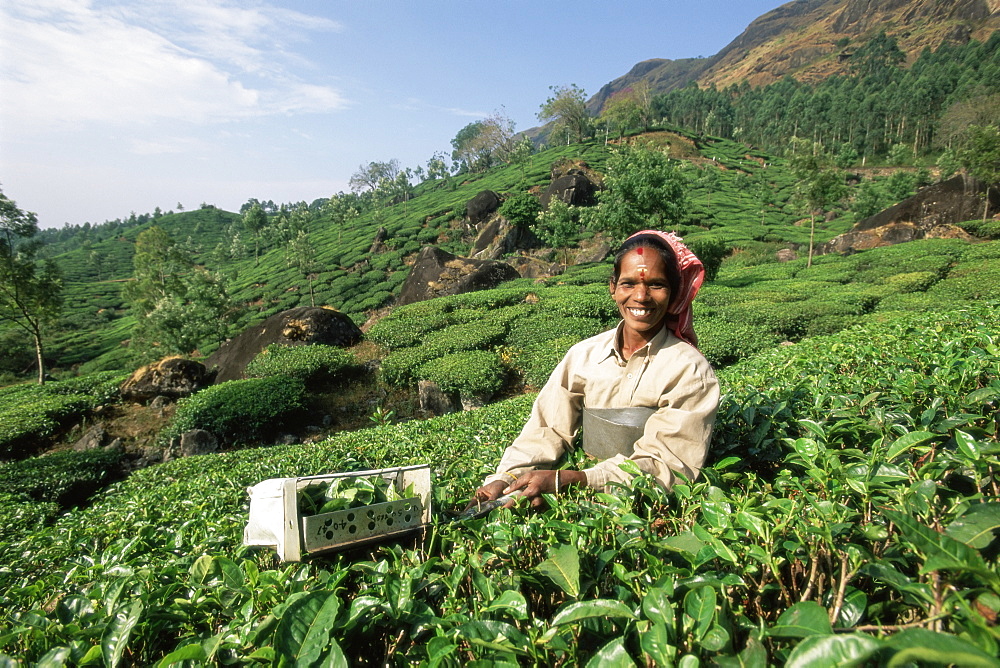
column 813, row 39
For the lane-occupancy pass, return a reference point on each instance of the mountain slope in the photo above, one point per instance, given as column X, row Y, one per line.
column 813, row 39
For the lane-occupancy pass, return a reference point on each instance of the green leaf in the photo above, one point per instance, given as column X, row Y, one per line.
column 512, row 602
column 751, row 523
column 192, row 652
column 906, row 442
column 601, row 607
column 807, row 448
column 494, row 635
column 699, row 605
column 563, row 568
column 116, row 634
column 612, row 655
column 978, row 526
column 967, row 445
column 715, row 639
column 655, row 642
column 923, row 646
column 941, row 551
column 54, row 658
column 832, row 651
column 303, row 631
column 201, row 569
column 804, row 619
column 657, row 608
column 853, row 608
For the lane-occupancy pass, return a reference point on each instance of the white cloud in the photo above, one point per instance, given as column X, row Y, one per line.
column 69, row 62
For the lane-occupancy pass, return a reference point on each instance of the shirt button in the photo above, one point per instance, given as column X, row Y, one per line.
column 630, row 376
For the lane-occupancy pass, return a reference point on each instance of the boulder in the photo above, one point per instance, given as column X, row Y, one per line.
column 932, row 211
column 171, row 377
column 197, row 442
column 93, row 439
column 378, row 243
column 596, row 253
column 438, row 273
column 574, row 189
column 303, row 325
column 435, row 400
column 533, row 267
column 499, row 238
column 482, row 206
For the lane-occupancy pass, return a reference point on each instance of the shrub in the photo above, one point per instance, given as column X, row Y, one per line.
column 540, row 328
column 537, row 361
column 471, row 373
column 238, row 409
column 65, row 478
column 521, row 210
column 312, row 363
column 723, row 342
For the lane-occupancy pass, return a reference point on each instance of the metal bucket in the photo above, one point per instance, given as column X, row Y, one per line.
column 611, row 431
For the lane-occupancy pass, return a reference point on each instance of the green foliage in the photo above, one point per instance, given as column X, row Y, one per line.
column 520, row 210
column 894, row 415
column 64, row 478
column 32, row 413
column 311, row 363
column 238, row 409
column 471, row 373
column 537, row 360
column 644, row 188
column 711, row 251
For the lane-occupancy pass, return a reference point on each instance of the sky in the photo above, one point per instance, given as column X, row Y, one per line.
column 113, row 107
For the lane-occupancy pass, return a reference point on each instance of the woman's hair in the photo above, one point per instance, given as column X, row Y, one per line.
column 660, row 246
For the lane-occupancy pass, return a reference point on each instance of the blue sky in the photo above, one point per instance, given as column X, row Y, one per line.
column 109, row 107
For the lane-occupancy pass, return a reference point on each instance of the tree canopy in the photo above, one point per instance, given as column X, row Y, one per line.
column 30, row 292
column 566, row 108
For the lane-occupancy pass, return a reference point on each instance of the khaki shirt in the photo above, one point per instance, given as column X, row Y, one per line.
column 666, row 374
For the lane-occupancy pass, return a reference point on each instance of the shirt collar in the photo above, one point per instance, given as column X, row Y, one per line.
column 614, row 351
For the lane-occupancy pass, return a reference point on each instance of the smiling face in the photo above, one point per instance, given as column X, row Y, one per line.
column 642, row 293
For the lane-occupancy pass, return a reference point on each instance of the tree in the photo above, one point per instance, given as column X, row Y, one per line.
column 484, row 144
column 341, row 210
column 558, row 225
column 628, row 108
column 255, row 220
column 980, row 155
column 520, row 210
column 437, row 166
column 301, row 254
column 819, row 186
column 369, row 177
column 643, row 188
column 30, row 293
column 177, row 306
column 567, row 109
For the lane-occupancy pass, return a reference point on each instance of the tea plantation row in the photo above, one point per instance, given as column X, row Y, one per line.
column 848, row 515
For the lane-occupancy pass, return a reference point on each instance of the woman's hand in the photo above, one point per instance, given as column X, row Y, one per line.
column 535, row 483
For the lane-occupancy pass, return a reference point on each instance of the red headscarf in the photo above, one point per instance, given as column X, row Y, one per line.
column 692, row 273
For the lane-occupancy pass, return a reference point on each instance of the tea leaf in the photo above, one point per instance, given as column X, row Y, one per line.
column 978, row 527
column 304, row 629
column 804, row 619
column 832, row 651
column 923, row 646
column 612, row 655
column 563, row 568
column 116, row 635
column 906, row 442
column 600, row 607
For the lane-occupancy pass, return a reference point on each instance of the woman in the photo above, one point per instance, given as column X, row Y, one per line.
column 649, row 360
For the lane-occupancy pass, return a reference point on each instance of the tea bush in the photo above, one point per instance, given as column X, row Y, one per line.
column 63, row 478
column 471, row 373
column 311, row 363
column 31, row 413
column 536, row 361
column 238, row 409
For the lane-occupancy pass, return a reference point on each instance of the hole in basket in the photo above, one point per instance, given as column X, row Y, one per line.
column 329, row 535
column 407, row 517
column 388, row 521
column 328, row 523
column 352, row 529
column 371, row 526
column 371, row 514
column 350, row 517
